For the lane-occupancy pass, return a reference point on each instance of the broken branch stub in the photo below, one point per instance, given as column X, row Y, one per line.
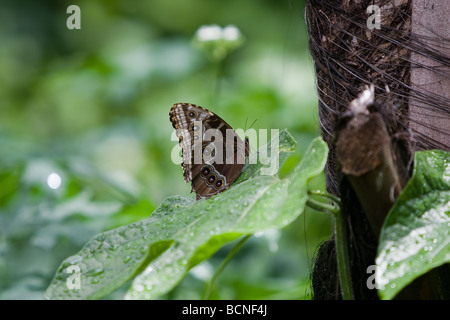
column 367, row 158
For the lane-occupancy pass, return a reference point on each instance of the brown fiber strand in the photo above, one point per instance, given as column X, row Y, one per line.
column 348, row 56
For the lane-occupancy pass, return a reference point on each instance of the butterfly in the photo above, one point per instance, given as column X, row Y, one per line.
column 213, row 155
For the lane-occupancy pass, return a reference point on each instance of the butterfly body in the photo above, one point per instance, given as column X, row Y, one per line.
column 213, row 155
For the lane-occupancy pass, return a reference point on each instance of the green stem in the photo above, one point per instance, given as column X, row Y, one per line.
column 322, row 207
column 223, row 265
column 219, row 67
column 340, row 231
column 320, row 193
column 343, row 259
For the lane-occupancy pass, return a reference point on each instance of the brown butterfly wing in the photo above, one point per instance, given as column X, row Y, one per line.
column 210, row 170
column 179, row 117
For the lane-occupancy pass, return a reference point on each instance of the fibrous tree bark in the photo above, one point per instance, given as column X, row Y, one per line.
column 406, row 60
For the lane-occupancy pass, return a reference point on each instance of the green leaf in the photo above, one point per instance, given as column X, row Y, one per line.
column 415, row 235
column 183, row 232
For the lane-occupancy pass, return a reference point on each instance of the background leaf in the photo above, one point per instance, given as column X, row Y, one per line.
column 189, row 231
column 415, row 235
column 258, row 204
column 92, row 106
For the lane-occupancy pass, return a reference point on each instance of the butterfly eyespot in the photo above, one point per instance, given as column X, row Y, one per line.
column 219, row 183
column 196, row 137
column 192, row 114
column 206, row 171
column 208, row 151
column 211, row 178
column 194, row 126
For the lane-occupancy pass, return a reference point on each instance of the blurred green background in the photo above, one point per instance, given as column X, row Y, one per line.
column 92, row 106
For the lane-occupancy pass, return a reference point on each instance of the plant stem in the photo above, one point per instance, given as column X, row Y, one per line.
column 343, row 261
column 223, row 265
column 336, row 201
column 219, row 67
column 322, row 207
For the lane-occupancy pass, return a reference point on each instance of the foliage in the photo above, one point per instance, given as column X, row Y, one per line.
column 181, row 233
column 92, row 106
column 415, row 234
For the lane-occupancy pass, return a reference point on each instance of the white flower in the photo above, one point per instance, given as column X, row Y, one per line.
column 218, row 42
column 214, row 33
column 230, row 33
column 209, row 33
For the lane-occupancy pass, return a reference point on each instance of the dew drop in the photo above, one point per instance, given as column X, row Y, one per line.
column 143, row 249
column 54, row 181
column 139, row 287
column 96, row 272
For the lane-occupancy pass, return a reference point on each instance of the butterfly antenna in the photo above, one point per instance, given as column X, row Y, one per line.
column 251, row 147
column 253, row 123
